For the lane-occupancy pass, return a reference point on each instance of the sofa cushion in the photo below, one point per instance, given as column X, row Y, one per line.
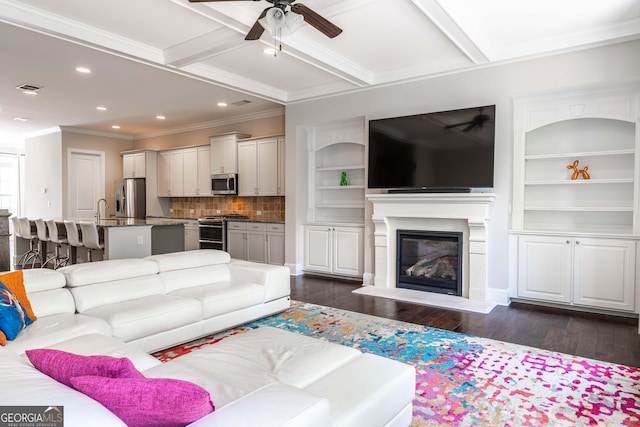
column 196, row 276
column 117, row 291
column 49, row 330
column 130, row 320
column 14, row 281
column 62, row 366
column 90, row 344
column 54, row 301
column 24, row 385
column 148, row 402
column 13, row 316
column 42, row 279
column 107, row 271
column 224, row 297
column 189, row 259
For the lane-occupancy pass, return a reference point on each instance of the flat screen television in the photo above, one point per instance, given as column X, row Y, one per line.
column 447, row 151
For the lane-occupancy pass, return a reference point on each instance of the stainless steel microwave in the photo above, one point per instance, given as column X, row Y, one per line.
column 224, row 183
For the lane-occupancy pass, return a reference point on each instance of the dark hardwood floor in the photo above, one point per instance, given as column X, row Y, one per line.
column 602, row 337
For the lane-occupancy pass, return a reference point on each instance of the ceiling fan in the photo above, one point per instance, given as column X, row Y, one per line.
column 477, row 121
column 276, row 16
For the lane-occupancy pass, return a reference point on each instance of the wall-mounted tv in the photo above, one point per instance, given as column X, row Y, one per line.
column 447, row 151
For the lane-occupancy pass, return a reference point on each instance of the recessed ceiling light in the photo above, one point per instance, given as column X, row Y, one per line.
column 101, row 108
column 160, row 117
column 222, row 104
column 21, row 119
column 115, row 127
column 29, row 92
column 270, row 51
column 84, row 70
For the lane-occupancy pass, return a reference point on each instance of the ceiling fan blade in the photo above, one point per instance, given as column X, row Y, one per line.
column 256, row 31
column 471, row 126
column 318, row 22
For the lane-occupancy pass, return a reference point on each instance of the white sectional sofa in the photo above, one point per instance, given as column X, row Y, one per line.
column 266, row 377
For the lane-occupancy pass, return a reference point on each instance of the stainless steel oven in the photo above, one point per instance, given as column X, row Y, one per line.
column 213, row 231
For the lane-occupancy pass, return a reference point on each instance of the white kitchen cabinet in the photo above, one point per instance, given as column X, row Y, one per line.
column 577, row 270
column 134, row 165
column 224, row 152
column 282, row 166
column 197, row 171
column 333, row 249
column 275, row 244
column 258, row 167
column 191, row 235
column 256, row 241
column 170, row 173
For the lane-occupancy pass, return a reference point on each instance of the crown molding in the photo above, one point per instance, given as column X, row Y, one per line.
column 73, row 129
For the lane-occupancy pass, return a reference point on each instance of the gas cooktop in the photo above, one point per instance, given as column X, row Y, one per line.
column 223, row 216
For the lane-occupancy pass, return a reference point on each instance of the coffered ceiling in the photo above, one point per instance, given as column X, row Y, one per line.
column 178, row 59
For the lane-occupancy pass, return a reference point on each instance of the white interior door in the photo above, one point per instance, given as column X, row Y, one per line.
column 86, row 182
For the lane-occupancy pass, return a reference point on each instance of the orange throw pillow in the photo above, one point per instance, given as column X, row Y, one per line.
column 14, row 281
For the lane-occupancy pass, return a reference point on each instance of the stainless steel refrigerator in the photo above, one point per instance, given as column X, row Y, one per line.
column 131, row 199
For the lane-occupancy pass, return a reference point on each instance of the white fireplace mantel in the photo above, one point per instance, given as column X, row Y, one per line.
column 463, row 212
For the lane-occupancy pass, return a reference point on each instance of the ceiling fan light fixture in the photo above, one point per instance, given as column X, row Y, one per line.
column 273, row 21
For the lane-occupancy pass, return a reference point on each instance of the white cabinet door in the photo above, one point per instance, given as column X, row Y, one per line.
column 256, row 246
column 164, row 174
column 275, row 244
column 191, row 236
column 204, row 171
column 267, row 160
column 190, row 171
column 247, row 169
column 317, row 248
column 236, row 244
column 347, row 251
column 224, row 154
column 133, row 165
column 604, row 273
column 545, row 268
column 281, row 167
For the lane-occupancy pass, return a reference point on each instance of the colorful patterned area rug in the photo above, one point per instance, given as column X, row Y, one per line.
column 464, row 380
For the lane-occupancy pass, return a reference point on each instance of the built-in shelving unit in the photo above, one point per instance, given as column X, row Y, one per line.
column 574, row 241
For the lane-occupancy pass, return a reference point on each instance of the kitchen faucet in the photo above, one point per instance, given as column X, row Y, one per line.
column 106, row 206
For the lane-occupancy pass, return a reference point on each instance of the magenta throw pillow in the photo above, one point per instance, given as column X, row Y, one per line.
column 62, row 366
column 148, row 402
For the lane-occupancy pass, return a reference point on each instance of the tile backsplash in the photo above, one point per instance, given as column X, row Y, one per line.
column 271, row 208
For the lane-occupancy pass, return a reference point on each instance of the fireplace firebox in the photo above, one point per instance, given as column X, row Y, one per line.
column 429, row 261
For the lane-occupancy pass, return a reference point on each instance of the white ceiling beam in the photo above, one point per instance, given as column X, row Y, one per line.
column 200, row 48
column 452, row 30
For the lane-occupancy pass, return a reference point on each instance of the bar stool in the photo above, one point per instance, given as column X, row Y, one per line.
column 16, row 232
column 41, row 231
column 33, row 254
column 90, row 238
column 54, row 236
column 73, row 239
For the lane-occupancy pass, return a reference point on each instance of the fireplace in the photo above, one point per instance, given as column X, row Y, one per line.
column 429, row 261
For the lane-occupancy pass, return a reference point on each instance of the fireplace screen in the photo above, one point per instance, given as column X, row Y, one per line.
column 430, row 261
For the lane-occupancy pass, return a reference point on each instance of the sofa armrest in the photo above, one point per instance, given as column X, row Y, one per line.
column 275, row 278
column 275, row 404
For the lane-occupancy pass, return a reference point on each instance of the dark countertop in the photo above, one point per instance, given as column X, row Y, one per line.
column 131, row 222
column 270, row 221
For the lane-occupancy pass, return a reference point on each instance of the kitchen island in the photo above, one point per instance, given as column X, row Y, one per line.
column 122, row 237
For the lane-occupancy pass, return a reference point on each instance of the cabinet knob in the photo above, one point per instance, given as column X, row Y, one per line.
column 577, row 242
column 568, row 241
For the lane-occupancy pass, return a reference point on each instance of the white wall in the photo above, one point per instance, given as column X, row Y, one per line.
column 43, row 176
column 490, row 85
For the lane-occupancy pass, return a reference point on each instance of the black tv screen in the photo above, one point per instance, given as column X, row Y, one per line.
column 441, row 151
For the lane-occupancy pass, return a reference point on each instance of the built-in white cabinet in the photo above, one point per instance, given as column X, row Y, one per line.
column 256, row 241
column 333, row 250
column 575, row 239
column 191, row 235
column 259, row 167
column 170, row 173
column 134, row 165
column 197, row 171
column 184, row 172
column 224, row 152
column 333, row 236
column 582, row 271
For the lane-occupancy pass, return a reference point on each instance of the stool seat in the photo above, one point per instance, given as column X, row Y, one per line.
column 73, row 238
column 90, row 237
column 54, row 237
